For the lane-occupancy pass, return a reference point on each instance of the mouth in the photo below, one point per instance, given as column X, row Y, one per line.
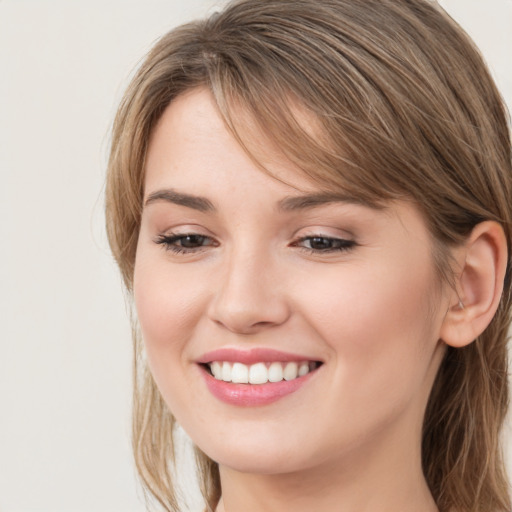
column 257, row 377
column 261, row 372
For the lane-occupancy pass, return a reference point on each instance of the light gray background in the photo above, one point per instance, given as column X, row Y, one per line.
column 66, row 350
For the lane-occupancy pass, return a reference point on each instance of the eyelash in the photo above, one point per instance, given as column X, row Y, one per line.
column 169, row 242
column 338, row 244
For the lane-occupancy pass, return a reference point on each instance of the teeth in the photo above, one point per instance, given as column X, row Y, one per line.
column 303, row 369
column 216, row 369
column 226, row 371
column 240, row 373
column 275, row 372
column 259, row 373
column 290, row 371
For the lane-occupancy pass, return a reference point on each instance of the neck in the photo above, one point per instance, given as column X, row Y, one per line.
column 371, row 481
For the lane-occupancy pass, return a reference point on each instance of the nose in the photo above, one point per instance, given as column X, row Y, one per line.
column 250, row 296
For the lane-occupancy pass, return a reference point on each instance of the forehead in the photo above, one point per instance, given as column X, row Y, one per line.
column 191, row 143
column 194, row 161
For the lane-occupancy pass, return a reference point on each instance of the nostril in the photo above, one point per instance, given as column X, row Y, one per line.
column 247, row 300
column 244, row 326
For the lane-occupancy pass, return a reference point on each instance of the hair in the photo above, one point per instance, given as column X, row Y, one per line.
column 404, row 107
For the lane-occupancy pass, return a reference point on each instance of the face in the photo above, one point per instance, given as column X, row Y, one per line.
column 318, row 316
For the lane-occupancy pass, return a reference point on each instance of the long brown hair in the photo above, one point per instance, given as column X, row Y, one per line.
column 405, row 107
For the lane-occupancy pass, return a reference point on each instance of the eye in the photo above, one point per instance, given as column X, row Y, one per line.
column 324, row 244
column 185, row 243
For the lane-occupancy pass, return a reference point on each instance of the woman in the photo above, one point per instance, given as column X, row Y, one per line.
column 310, row 203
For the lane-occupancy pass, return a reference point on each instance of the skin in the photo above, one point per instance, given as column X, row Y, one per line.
column 349, row 439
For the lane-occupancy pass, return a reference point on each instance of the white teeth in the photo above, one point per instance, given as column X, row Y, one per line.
column 290, row 371
column 303, row 369
column 216, row 369
column 259, row 373
column 275, row 372
column 226, row 371
column 240, row 373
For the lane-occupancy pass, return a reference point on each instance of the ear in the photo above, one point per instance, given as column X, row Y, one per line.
column 478, row 286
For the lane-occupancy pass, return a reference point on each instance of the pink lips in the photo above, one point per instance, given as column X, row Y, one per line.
column 251, row 395
column 255, row 355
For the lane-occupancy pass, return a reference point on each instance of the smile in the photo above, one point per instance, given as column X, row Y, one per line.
column 256, row 377
column 261, row 372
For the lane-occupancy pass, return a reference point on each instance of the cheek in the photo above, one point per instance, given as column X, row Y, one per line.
column 382, row 342
column 370, row 301
column 168, row 307
column 378, row 325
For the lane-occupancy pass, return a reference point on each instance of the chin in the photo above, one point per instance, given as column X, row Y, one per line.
column 257, row 455
column 260, row 463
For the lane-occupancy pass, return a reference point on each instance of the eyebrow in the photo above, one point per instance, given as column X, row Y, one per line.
column 172, row 196
column 310, row 201
column 288, row 204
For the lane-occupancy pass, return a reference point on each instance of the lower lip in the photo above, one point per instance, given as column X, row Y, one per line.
column 252, row 395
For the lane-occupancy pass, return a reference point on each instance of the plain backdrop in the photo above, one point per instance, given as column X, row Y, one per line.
column 66, row 351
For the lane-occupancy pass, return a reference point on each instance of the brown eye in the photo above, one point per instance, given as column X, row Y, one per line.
column 321, row 244
column 192, row 241
column 186, row 243
column 324, row 244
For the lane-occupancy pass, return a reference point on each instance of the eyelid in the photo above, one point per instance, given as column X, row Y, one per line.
column 338, row 244
column 314, row 240
column 169, row 242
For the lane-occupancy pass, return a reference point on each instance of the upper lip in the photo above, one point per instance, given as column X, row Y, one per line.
column 252, row 356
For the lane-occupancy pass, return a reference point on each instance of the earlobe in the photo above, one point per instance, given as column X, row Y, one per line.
column 479, row 285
